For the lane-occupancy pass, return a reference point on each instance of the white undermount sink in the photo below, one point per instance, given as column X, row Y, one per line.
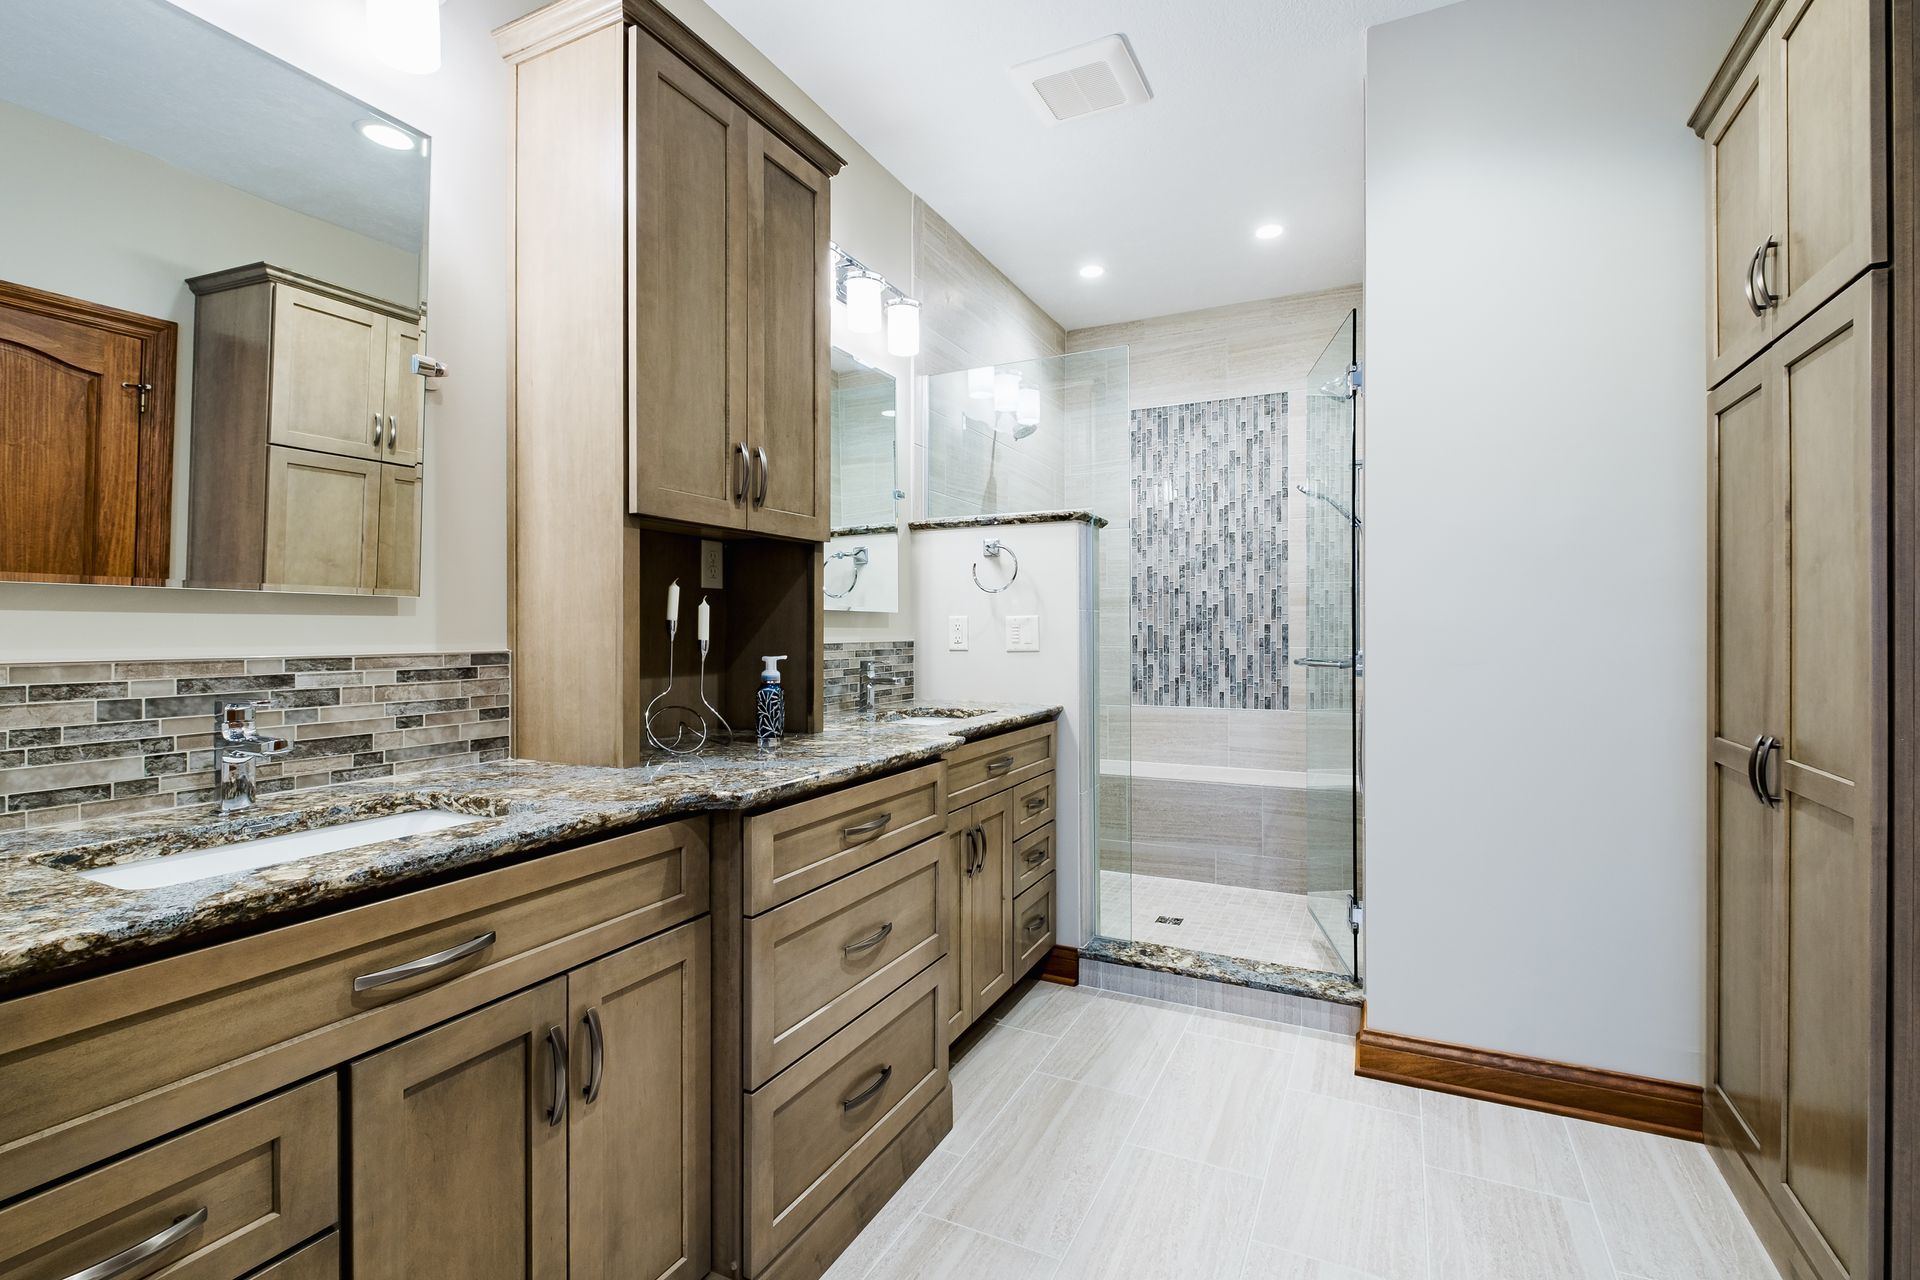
column 268, row 851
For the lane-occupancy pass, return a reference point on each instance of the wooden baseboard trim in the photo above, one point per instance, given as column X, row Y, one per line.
column 1062, row 965
column 1585, row 1093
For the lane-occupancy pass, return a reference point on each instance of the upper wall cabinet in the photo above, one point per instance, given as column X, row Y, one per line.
column 1798, row 173
column 724, row 220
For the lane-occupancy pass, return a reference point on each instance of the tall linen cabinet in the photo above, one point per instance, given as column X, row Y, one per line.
column 1799, row 352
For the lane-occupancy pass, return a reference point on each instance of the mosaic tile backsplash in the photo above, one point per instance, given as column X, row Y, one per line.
column 84, row 740
column 842, row 687
column 1209, row 530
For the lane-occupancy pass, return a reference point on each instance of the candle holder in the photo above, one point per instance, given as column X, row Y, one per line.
column 690, row 729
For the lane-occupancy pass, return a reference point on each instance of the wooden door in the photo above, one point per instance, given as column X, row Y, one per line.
column 1746, row 661
column 402, row 393
column 639, row 1128
column 787, row 347
column 1830, row 404
column 687, row 297
column 397, row 565
column 1829, row 177
column 323, row 521
column 1740, row 219
column 989, row 907
column 83, row 497
column 329, row 379
column 956, row 868
column 459, row 1161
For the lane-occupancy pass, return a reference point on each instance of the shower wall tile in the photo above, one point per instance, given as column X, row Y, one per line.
column 1209, row 572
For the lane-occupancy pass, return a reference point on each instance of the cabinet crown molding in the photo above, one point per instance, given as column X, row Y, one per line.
column 1736, row 60
column 567, row 20
column 266, row 273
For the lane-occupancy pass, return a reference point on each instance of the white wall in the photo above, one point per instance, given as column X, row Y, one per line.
column 1055, row 582
column 1535, row 585
column 463, row 587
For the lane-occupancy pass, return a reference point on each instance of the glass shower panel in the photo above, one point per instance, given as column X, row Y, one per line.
column 1328, row 657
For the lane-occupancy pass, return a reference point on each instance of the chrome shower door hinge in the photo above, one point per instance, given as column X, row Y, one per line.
column 1356, row 380
column 1355, row 913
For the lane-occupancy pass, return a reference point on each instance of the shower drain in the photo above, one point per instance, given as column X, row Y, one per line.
column 1169, row 919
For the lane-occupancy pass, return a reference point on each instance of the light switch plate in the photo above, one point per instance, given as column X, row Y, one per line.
column 1023, row 633
column 712, row 565
column 957, row 633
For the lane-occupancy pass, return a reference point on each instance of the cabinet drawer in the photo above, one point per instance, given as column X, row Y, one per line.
column 1032, row 859
column 980, row 769
column 794, row 850
column 318, row 1261
column 820, row 961
column 1033, row 805
column 1033, row 926
column 228, row 1195
column 818, row 1124
column 90, row 1069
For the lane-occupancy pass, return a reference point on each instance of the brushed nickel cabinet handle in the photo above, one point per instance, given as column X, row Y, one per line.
column 1753, row 299
column 425, row 964
column 874, row 827
column 999, row 766
column 376, row 429
column 1768, row 300
column 1769, row 793
column 1035, row 857
column 557, row 1053
column 391, row 431
column 872, row 940
column 597, row 1055
column 760, row 495
column 879, row 1083
column 741, row 472
column 1036, row 803
column 1036, row 923
column 159, row 1242
column 1753, row 758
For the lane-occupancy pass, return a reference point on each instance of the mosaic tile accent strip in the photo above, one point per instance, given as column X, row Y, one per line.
column 843, row 673
column 1209, row 530
column 88, row 740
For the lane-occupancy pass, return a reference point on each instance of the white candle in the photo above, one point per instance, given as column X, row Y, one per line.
column 673, row 601
column 706, row 612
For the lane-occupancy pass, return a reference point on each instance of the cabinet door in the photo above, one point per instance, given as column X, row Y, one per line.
column 1830, row 143
column 787, row 348
column 1741, row 213
column 1830, row 405
column 402, row 393
column 956, row 1001
column 687, row 396
column 397, row 572
column 989, row 905
column 459, row 1161
column 323, row 521
column 639, row 1128
column 1746, row 589
column 329, row 381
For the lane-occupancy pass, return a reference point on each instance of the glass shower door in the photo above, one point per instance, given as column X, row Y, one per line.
column 1327, row 655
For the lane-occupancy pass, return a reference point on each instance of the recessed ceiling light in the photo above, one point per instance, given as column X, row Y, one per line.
column 386, row 135
column 1092, row 271
column 1268, row 231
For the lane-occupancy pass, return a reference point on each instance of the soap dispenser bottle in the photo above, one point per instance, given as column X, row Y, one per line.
column 770, row 703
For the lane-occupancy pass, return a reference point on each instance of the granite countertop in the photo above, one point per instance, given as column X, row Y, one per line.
column 1011, row 517
column 52, row 920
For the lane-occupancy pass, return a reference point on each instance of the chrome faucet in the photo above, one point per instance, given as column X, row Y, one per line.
column 871, row 681
column 238, row 748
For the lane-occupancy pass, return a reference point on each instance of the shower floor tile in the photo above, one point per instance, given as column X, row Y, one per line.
column 1249, row 924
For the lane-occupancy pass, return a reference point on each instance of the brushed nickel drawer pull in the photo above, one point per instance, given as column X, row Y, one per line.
column 766, row 471
column 425, row 964
column 1037, row 923
column 875, row 827
column 159, row 1242
column 741, row 475
column 557, row 1100
column 1000, row 766
column 1036, row 803
column 879, row 1083
column 872, row 940
column 1035, row 857
column 597, row 1055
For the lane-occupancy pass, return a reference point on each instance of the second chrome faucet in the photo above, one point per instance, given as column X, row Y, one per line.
column 238, row 750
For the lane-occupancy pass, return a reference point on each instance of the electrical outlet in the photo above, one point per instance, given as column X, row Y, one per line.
column 957, row 632
column 712, row 565
column 1023, row 633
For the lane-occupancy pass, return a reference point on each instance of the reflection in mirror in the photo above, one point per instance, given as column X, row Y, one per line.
column 862, row 569
column 208, row 324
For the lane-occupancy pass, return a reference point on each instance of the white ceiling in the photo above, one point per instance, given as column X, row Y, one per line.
column 149, row 76
column 1256, row 117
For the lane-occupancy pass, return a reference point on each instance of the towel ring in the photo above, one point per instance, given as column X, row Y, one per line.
column 993, row 549
column 861, row 558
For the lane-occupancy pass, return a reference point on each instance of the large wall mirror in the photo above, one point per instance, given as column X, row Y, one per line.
column 211, row 326
column 863, row 559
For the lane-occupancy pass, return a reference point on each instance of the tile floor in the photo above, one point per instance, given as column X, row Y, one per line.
column 1101, row 1136
column 1227, row 920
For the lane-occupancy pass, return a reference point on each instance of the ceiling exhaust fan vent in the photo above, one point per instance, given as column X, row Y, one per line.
column 1097, row 76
